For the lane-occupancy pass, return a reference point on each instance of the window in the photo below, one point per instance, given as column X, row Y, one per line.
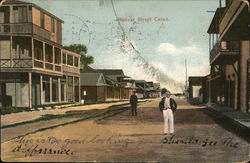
column 42, row 20
column 22, row 14
column 4, row 14
column 70, row 60
column 21, row 47
column 64, row 58
column 48, row 53
column 75, row 61
column 38, row 50
column 5, row 47
column 57, row 56
column 53, row 25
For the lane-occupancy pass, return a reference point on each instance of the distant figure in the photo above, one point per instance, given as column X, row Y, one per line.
column 133, row 103
column 168, row 106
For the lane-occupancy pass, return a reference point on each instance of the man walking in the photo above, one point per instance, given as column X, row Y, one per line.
column 133, row 103
column 168, row 106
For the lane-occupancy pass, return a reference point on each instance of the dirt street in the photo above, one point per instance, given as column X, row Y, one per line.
column 122, row 137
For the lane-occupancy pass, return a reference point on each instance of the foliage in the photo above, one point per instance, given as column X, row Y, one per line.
column 82, row 50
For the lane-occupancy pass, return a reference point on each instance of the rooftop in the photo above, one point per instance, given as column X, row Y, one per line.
column 92, row 79
column 17, row 2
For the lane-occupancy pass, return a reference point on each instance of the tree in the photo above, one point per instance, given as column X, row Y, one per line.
column 82, row 50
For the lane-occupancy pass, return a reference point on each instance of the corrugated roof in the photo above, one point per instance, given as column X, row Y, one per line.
column 91, row 79
column 88, row 69
column 111, row 71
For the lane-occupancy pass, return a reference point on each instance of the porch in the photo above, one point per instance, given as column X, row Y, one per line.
column 33, row 89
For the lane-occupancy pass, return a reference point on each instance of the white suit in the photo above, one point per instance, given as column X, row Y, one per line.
column 168, row 117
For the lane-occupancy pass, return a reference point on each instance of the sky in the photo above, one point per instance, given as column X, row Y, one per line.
column 149, row 40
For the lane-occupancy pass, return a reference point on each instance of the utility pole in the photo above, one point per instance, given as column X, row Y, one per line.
column 186, row 83
column 186, row 72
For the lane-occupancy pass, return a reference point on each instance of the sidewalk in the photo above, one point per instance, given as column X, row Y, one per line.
column 15, row 118
column 238, row 121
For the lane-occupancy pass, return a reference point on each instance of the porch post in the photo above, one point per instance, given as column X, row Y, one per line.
column 66, row 89
column 30, row 90
column 11, row 57
column 44, row 55
column 32, row 52
column 73, row 92
column 59, row 90
column 53, row 57
column 50, row 89
column 41, row 89
column 79, row 89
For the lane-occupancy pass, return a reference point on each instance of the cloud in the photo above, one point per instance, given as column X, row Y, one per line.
column 170, row 49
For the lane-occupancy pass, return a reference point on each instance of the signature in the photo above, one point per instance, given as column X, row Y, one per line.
column 33, row 149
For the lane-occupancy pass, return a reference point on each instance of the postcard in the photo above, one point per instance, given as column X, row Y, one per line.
column 125, row 81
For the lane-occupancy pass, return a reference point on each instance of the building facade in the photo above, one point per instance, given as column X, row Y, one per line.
column 229, row 35
column 34, row 68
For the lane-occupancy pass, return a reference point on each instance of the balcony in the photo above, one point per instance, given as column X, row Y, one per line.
column 70, row 70
column 225, row 53
column 24, row 28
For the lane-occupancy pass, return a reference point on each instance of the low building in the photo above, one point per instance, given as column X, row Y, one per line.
column 116, row 85
column 93, row 87
column 195, row 86
column 141, row 90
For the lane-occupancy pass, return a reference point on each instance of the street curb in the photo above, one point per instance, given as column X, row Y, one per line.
column 38, row 119
column 230, row 124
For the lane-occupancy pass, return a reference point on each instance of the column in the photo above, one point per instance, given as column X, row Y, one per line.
column 50, row 89
column 30, row 90
column 59, row 90
column 53, row 57
column 79, row 87
column 11, row 42
column 61, row 63
column 66, row 89
column 41, row 89
column 32, row 52
column 44, row 55
column 73, row 92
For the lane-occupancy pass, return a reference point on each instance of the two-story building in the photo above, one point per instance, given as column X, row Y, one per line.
column 229, row 44
column 34, row 68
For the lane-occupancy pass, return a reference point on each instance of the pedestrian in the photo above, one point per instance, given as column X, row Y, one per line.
column 133, row 103
column 168, row 106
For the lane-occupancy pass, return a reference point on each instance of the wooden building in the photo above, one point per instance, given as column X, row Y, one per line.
column 229, row 43
column 115, row 86
column 93, row 87
column 34, row 68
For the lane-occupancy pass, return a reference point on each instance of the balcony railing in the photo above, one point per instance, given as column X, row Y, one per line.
column 16, row 63
column 70, row 69
column 229, row 48
column 41, row 32
column 25, row 28
column 214, row 51
column 16, row 28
